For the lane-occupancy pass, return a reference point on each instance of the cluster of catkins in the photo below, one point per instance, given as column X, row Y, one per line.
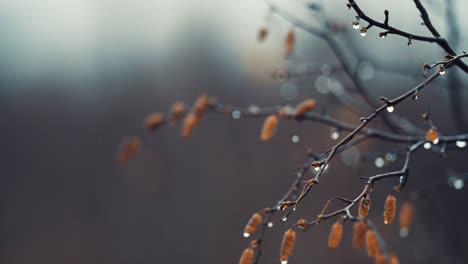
column 190, row 119
column 363, row 233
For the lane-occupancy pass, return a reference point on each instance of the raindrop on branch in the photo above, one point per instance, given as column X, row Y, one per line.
column 460, row 143
column 236, row 114
column 295, row 138
column 379, row 162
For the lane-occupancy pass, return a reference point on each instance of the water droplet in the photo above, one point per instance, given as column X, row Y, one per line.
column 284, row 262
column 355, row 24
column 427, row 145
column 236, row 114
column 299, row 174
column 382, row 36
column 442, row 70
column 363, row 31
column 294, row 208
column 386, row 222
column 416, row 96
column 379, row 162
column 270, row 224
column 295, row 138
column 390, row 108
column 391, row 156
column 317, row 168
column 460, row 143
column 253, row 109
column 246, row 234
column 404, row 232
column 458, row 184
column 402, row 179
column 435, row 141
column 335, row 135
column 284, row 219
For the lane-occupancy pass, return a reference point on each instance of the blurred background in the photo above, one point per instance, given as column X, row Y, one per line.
column 77, row 76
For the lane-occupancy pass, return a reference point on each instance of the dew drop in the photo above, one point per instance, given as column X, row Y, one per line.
column 363, row 33
column 236, row 114
column 436, row 141
column 284, row 262
column 317, row 168
column 295, row 138
column 427, row 145
column 458, row 184
column 416, row 96
column 404, row 232
column 442, row 70
column 270, row 224
column 246, row 234
column 382, row 36
column 379, row 162
column 356, row 25
column 253, row 109
column 390, row 108
column 460, row 143
column 335, row 135
column 391, row 156
column 284, row 219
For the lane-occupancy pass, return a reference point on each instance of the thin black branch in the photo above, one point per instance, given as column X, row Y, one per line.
column 391, row 30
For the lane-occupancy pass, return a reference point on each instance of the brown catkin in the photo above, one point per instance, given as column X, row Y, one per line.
column 289, row 43
column 153, row 121
column 190, row 121
column 393, row 259
column 252, row 225
column 247, row 256
column 380, row 259
column 128, row 148
column 269, row 127
column 406, row 215
column 364, row 205
column 177, row 110
column 289, row 238
column 304, row 107
column 200, row 105
column 359, row 234
column 432, row 135
column 389, row 209
column 371, row 243
column 336, row 233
